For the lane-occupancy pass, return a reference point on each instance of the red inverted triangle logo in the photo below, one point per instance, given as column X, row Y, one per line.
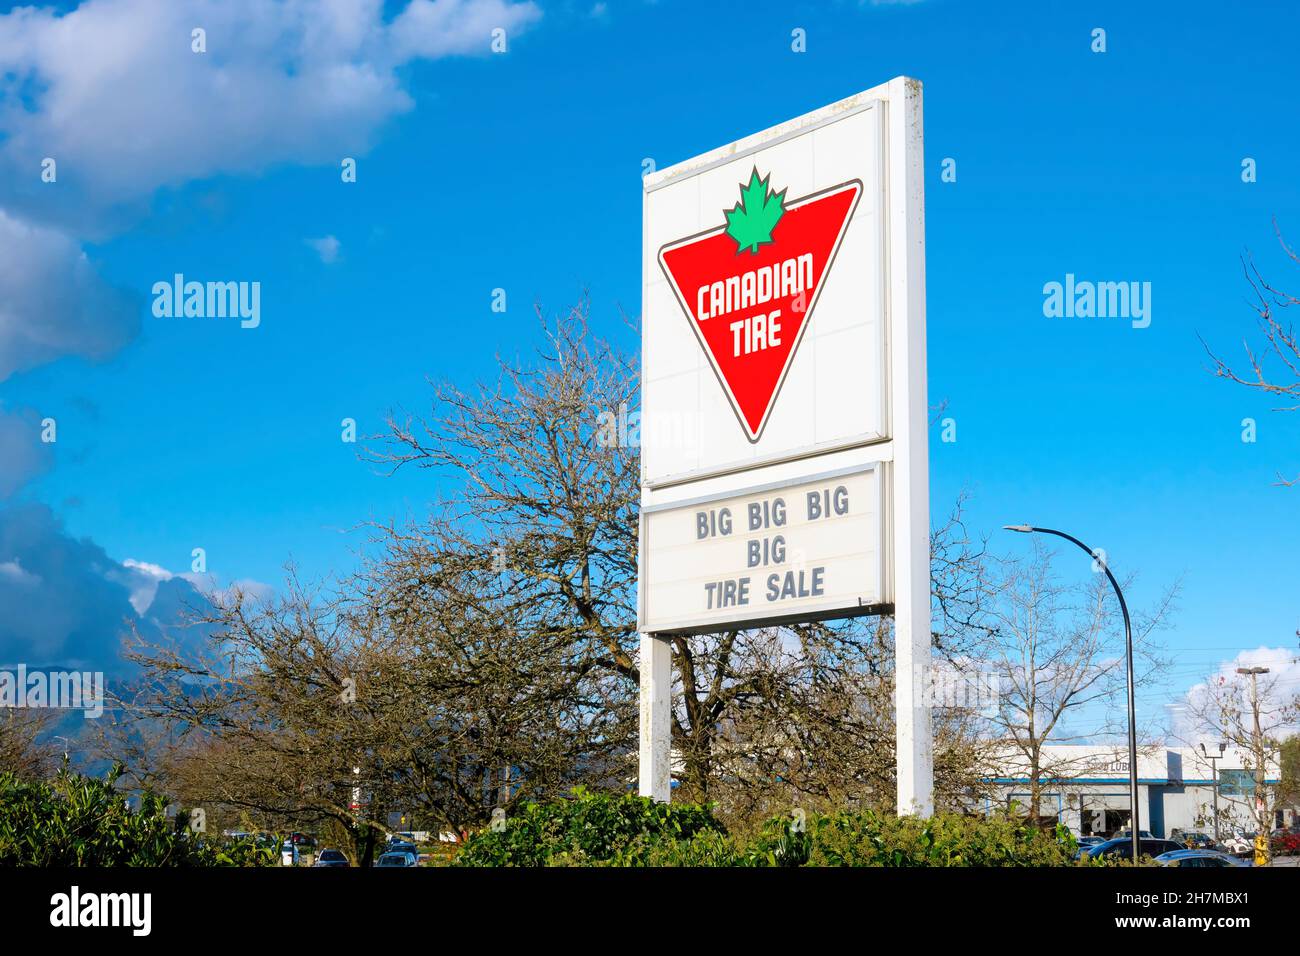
column 748, row 287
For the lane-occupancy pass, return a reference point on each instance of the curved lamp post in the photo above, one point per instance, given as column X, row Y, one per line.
column 1134, row 823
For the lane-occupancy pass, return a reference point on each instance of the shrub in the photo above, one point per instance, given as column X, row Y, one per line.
column 708, row 848
column 1286, row 843
column 602, row 830
column 946, row 839
column 73, row 820
column 589, row 828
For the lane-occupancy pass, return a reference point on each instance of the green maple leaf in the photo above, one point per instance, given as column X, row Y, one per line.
column 752, row 220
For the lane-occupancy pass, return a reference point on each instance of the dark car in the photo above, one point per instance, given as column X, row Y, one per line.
column 402, row 846
column 331, row 858
column 1198, row 841
column 1086, row 843
column 1122, row 848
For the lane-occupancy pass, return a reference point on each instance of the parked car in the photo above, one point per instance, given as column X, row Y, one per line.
column 1086, row 843
column 397, row 859
column 1241, row 844
column 401, row 846
column 1197, row 841
column 331, row 858
column 1128, row 835
column 289, row 854
column 1122, row 847
column 1211, row 858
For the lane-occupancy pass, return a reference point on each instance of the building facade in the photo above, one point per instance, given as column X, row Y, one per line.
column 1087, row 789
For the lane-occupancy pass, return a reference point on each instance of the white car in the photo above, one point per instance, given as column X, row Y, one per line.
column 1240, row 843
column 397, row 858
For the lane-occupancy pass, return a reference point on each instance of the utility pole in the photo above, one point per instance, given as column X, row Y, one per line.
column 1214, row 771
column 1259, row 756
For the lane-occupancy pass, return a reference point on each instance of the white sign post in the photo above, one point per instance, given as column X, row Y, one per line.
column 784, row 415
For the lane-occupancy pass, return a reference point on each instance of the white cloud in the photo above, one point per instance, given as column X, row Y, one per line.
column 327, row 247
column 258, row 591
column 145, row 577
column 52, row 301
column 143, row 583
column 13, row 571
column 22, row 453
column 1277, row 689
column 65, row 602
column 436, row 28
column 113, row 93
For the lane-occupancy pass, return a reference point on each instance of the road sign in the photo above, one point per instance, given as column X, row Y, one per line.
column 783, row 420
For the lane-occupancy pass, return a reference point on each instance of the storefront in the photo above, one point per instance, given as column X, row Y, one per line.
column 1087, row 789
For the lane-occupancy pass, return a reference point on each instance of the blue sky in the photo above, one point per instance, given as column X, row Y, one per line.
column 521, row 171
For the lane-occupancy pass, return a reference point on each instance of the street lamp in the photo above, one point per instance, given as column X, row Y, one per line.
column 1214, row 769
column 1135, row 823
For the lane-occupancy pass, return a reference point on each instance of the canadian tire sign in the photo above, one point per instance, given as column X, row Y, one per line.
column 749, row 286
column 783, row 395
column 784, row 463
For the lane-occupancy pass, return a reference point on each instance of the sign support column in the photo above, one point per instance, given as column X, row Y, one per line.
column 911, row 467
column 656, row 717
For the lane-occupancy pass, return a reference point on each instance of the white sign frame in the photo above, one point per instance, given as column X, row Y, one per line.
column 901, row 454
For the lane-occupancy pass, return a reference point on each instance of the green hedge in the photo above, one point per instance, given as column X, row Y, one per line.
column 593, row 829
column 869, row 839
column 73, row 820
column 589, row 828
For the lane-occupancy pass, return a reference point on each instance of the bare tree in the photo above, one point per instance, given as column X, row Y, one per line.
column 1251, row 710
column 291, row 716
column 536, row 490
column 822, row 733
column 1273, row 363
column 544, row 506
column 1058, row 656
column 25, row 747
column 547, row 493
column 500, row 705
